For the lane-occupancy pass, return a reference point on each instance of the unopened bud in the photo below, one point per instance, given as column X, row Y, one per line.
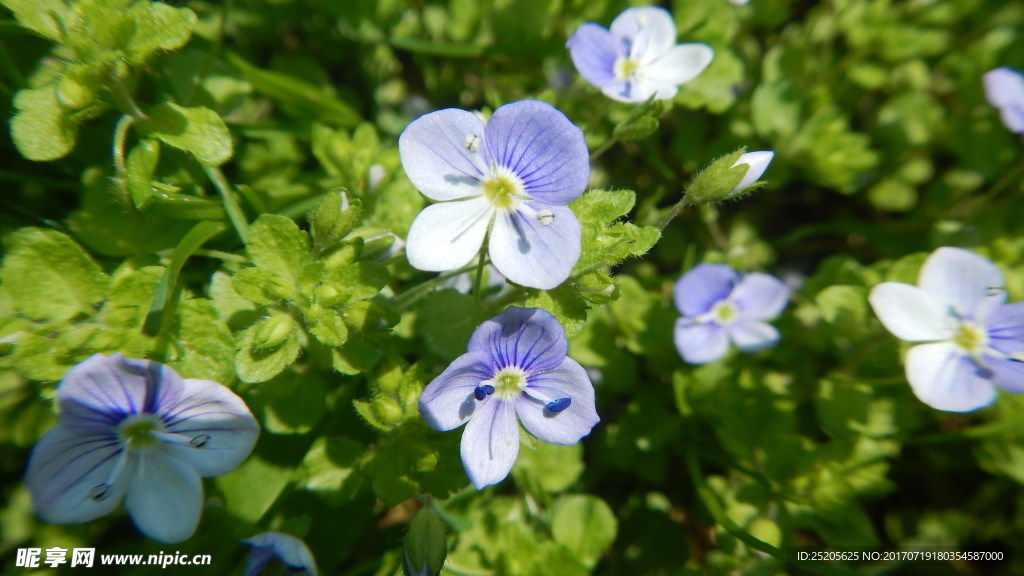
column 425, row 546
column 273, row 332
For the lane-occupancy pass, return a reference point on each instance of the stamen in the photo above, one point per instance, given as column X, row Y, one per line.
column 559, row 405
column 994, row 290
column 483, row 391
column 471, row 142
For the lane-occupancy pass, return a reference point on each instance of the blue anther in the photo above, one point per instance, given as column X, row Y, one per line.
column 488, row 389
column 559, row 405
column 479, row 393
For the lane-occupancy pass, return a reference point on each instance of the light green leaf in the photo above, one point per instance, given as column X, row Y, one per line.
column 49, row 277
column 158, row 26
column 292, row 404
column 44, row 17
column 261, row 286
column 326, row 325
column 585, row 525
column 254, row 362
column 358, row 281
column 565, row 303
column 197, row 130
column 330, row 469
column 251, row 489
column 554, row 468
column 276, row 243
column 42, row 129
column 205, row 346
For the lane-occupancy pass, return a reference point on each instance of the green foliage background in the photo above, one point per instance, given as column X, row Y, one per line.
column 171, row 191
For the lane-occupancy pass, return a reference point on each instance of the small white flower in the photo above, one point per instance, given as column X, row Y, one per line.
column 758, row 162
column 638, row 57
column 1004, row 88
column 971, row 341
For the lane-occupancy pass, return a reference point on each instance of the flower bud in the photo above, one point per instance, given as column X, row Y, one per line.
column 273, row 332
column 425, row 545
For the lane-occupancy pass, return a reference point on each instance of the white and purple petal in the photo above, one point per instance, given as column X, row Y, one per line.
column 679, row 64
column 447, row 235
column 570, row 421
column 594, row 50
column 944, row 378
column 968, row 283
column 449, row 400
column 700, row 343
column 444, row 154
column 164, row 497
column 536, row 248
column 760, row 296
column 99, row 392
column 530, row 339
column 218, row 429
column 649, row 31
column 490, row 443
column 542, row 148
column 697, row 291
column 1004, row 87
column 1006, row 328
column 75, row 477
column 910, row 313
column 291, row 551
column 751, row 335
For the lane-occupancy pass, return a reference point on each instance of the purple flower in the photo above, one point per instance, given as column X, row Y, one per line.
column 638, row 58
column 719, row 305
column 973, row 342
column 512, row 177
column 515, row 370
column 1004, row 88
column 133, row 429
column 291, row 551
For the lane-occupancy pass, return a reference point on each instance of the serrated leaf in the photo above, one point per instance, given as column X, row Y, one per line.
column 351, row 282
column 292, row 404
column 261, row 286
column 49, row 277
column 326, row 325
column 42, row 128
column 565, row 303
column 330, row 223
column 277, row 244
column 197, row 130
column 369, row 316
column 254, row 364
column 158, row 26
column 233, row 309
column 44, row 17
column 598, row 207
column 585, row 525
column 330, row 469
column 251, row 489
column 205, row 346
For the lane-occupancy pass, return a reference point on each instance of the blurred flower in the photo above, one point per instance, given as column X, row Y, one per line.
column 974, row 342
column 758, row 162
column 134, row 429
column 719, row 305
column 515, row 366
column 292, row 553
column 1004, row 88
column 510, row 178
column 638, row 58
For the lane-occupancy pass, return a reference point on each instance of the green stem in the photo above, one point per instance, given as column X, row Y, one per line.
column 675, row 211
column 478, row 283
column 221, row 255
column 613, row 140
column 235, row 214
column 710, row 216
column 714, row 507
column 218, row 42
column 406, row 299
column 124, row 124
column 979, row 432
column 161, row 308
column 124, row 100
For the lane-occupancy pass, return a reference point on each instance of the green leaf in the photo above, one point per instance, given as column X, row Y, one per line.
column 358, row 281
column 292, row 404
column 44, row 17
column 261, row 286
column 139, row 168
column 585, row 525
column 276, row 243
column 204, row 347
column 330, row 469
column 445, row 321
column 251, row 489
column 291, row 90
column 158, row 26
column 329, row 223
column 49, row 277
column 775, row 110
column 326, row 325
column 606, row 242
column 42, row 129
column 552, row 467
column 197, row 130
column 255, row 362
column 565, row 303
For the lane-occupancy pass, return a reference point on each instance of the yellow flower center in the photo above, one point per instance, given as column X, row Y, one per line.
column 626, row 68
column 502, row 188
column 136, row 431
column 970, row 338
column 509, row 382
column 723, row 312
